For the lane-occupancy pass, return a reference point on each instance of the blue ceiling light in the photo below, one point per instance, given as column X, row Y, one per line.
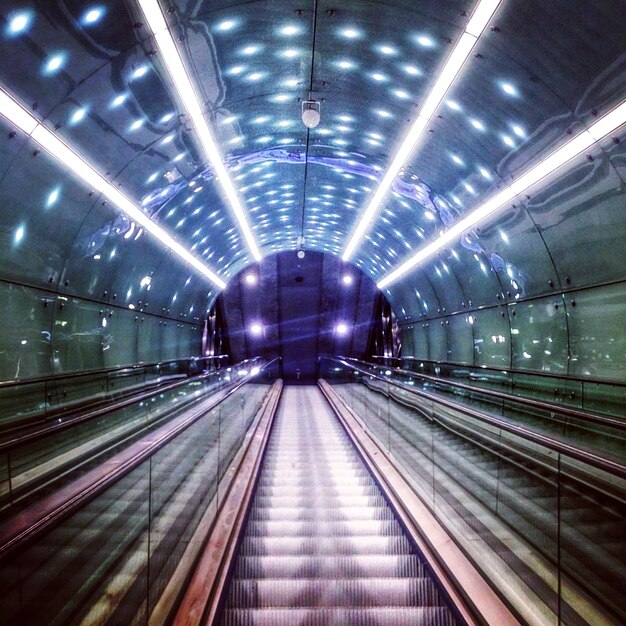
column 78, row 116
column 226, row 26
column 350, row 33
column 289, row 30
column 18, row 23
column 425, row 41
column 19, row 235
column 118, row 100
column 509, row 89
column 141, row 71
column 54, row 63
column 53, row 197
column 93, row 15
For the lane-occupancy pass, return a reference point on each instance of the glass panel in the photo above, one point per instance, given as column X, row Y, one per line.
column 460, row 339
column 592, row 541
column 38, row 226
column 77, row 335
column 65, row 569
column 539, row 338
column 492, row 340
column 25, row 341
column 596, row 329
column 437, row 340
column 584, row 234
column 518, row 254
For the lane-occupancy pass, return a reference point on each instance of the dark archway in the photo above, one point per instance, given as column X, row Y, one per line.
column 299, row 309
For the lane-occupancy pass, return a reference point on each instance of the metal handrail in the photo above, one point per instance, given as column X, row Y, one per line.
column 105, row 370
column 91, row 491
column 479, row 368
column 110, row 408
column 605, row 420
column 595, row 460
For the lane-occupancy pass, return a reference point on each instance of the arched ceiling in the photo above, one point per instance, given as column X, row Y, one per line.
column 93, row 72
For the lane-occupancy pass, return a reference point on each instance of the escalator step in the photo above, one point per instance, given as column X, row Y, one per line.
column 369, row 592
column 384, row 616
column 321, row 545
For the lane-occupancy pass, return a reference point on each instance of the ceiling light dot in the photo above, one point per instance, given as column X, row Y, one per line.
column 54, row 63
column 142, row 70
column 226, row 25
column 289, row 30
column 19, row 22
column 119, row 100
column 78, row 116
column 425, row 41
column 509, row 89
column 93, row 15
column 341, row 329
column 411, row 70
column 350, row 33
column 256, row 329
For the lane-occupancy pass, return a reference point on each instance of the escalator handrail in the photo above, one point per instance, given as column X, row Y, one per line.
column 29, row 534
column 101, row 371
column 501, row 370
column 58, row 426
column 585, row 416
column 595, row 460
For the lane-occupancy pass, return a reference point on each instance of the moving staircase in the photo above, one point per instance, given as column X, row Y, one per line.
column 321, row 545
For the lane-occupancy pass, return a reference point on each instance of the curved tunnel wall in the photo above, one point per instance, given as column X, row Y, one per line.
column 540, row 288
column 80, row 286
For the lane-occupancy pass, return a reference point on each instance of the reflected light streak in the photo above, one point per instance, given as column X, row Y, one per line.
column 538, row 172
column 15, row 113
column 172, row 59
column 480, row 18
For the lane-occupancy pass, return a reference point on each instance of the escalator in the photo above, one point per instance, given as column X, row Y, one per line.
column 322, row 545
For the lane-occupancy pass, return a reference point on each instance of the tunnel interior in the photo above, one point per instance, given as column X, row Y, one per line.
column 300, row 309
column 412, row 213
column 538, row 286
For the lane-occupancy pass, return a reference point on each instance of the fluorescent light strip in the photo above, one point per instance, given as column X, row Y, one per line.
column 477, row 23
column 176, row 68
column 573, row 148
column 17, row 114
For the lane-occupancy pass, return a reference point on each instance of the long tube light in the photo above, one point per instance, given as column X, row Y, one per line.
column 576, row 146
column 476, row 25
column 19, row 116
column 178, row 73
